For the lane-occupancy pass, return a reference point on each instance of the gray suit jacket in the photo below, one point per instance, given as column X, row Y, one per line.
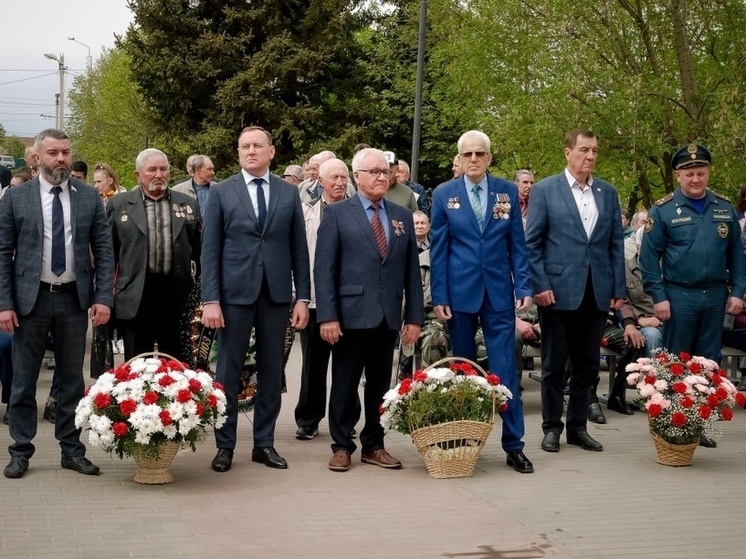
column 22, row 235
column 560, row 252
column 237, row 254
column 187, row 187
column 353, row 284
column 129, row 230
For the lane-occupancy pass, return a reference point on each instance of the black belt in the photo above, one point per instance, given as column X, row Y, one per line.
column 57, row 287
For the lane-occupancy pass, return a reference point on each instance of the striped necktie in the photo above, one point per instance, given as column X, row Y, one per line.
column 476, row 205
column 378, row 231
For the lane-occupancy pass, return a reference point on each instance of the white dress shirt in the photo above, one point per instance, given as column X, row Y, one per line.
column 47, row 198
column 248, row 178
column 585, row 201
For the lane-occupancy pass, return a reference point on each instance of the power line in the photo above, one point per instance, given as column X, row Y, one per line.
column 31, row 78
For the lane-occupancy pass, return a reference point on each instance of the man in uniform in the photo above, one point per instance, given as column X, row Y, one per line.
column 692, row 260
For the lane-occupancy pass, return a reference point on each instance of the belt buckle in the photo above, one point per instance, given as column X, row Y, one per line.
column 56, row 288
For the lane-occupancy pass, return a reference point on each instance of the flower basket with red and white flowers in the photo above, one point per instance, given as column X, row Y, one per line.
column 150, row 402
column 448, row 411
column 685, row 396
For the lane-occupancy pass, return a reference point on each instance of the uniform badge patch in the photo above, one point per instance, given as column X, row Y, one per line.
column 649, row 225
column 723, row 230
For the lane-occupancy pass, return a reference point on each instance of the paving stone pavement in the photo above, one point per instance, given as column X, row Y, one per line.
column 578, row 504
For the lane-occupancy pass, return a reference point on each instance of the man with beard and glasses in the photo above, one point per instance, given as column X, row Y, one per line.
column 156, row 236
column 55, row 246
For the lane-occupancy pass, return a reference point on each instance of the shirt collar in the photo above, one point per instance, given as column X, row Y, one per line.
column 572, row 180
column 470, row 185
column 248, row 177
column 367, row 202
column 47, row 186
column 166, row 195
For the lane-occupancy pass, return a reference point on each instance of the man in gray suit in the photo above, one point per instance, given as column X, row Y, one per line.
column 366, row 262
column 51, row 229
column 156, row 234
column 201, row 171
column 576, row 253
column 253, row 249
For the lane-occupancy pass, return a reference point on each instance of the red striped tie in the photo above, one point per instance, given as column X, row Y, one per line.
column 378, row 231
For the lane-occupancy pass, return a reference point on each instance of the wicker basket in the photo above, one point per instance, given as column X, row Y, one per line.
column 156, row 470
column 673, row 454
column 452, row 449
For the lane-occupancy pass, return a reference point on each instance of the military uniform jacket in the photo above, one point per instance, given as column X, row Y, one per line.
column 682, row 248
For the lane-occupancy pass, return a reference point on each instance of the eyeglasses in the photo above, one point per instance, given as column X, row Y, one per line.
column 376, row 172
column 470, row 154
column 289, row 177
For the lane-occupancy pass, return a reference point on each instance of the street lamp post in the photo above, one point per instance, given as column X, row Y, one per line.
column 417, row 125
column 89, row 58
column 61, row 61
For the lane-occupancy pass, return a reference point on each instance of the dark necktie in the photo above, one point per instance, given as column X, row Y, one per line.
column 378, row 231
column 58, row 234
column 261, row 202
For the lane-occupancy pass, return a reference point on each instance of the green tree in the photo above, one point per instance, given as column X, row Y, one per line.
column 109, row 119
column 14, row 146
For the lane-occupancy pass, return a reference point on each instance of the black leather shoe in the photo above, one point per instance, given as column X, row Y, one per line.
column 80, row 464
column 306, row 433
column 518, row 461
column 619, row 404
column 50, row 410
column 16, row 467
column 268, row 456
column 584, row 441
column 707, row 442
column 596, row 414
column 223, row 460
column 551, row 443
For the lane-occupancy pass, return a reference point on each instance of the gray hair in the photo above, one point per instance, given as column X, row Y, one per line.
column 198, row 161
column 295, row 170
column 322, row 156
column 520, row 172
column 146, row 154
column 420, row 213
column 49, row 133
column 329, row 163
column 357, row 159
column 474, row 135
column 404, row 164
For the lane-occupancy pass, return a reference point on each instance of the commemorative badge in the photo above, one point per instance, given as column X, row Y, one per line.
column 723, row 230
column 123, row 218
column 649, row 225
column 453, row 203
column 678, row 211
column 501, row 209
column 398, row 227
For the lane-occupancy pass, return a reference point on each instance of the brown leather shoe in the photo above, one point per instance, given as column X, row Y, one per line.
column 340, row 461
column 381, row 458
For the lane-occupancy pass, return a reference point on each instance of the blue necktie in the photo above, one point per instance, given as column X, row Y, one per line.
column 476, row 205
column 58, row 234
column 261, row 202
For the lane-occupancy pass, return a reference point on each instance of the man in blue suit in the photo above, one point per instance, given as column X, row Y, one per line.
column 253, row 249
column 56, row 270
column 479, row 272
column 366, row 262
column 576, row 250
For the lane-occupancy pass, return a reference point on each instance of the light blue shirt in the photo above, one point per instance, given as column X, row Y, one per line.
column 382, row 215
column 482, row 193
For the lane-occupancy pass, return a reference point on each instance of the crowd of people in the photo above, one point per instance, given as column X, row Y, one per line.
column 359, row 261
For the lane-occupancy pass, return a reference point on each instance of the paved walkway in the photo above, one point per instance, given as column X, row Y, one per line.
column 618, row 503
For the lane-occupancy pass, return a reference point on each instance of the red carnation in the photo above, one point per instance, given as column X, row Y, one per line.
column 212, row 401
column 678, row 419
column 200, row 409
column 127, row 407
column 704, row 412
column 504, row 407
column 120, row 429
column 662, row 357
column 132, row 376
column 150, row 397
column 102, row 400
column 695, row 368
column 493, row 379
column 654, row 410
column 217, row 386
column 405, row 386
column 419, row 376
column 727, row 414
column 183, row 396
column 165, row 418
column 195, row 385
column 713, row 400
column 679, row 387
column 717, row 379
column 687, row 402
column 740, row 399
column 684, row 356
column 677, row 369
column 721, row 393
column 650, row 379
column 121, row 374
column 166, row 380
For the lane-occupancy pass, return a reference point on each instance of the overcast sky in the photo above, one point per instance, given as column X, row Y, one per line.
column 31, row 28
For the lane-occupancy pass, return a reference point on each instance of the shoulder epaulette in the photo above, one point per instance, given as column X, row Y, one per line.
column 667, row 198
column 720, row 196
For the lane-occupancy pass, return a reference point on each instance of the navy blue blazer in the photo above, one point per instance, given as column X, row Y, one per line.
column 21, row 239
column 560, row 252
column 353, row 284
column 237, row 254
column 466, row 262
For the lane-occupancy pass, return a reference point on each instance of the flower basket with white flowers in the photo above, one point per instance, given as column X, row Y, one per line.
column 685, row 396
column 150, row 407
column 448, row 411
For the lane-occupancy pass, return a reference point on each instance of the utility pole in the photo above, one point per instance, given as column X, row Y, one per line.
column 61, row 67
column 89, row 58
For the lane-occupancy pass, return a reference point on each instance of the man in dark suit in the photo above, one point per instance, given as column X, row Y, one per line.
column 576, row 251
column 479, row 273
column 51, row 230
column 156, row 236
column 253, row 249
column 366, row 261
